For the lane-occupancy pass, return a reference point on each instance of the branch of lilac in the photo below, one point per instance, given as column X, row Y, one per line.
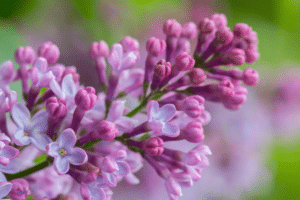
column 94, row 137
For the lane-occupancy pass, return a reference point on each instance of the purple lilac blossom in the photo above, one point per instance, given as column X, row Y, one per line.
column 100, row 141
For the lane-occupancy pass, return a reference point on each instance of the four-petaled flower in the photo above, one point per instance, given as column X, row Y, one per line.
column 30, row 131
column 64, row 152
column 158, row 119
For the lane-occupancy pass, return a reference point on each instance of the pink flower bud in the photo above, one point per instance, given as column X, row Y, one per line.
column 251, row 77
column 172, row 28
column 251, row 39
column 56, row 108
column 49, row 51
column 105, row 130
column 225, row 89
column 238, row 99
column 184, row 62
column 189, row 30
column 7, row 72
column 236, row 57
column 155, row 46
column 162, row 69
column 129, row 44
column 206, row 26
column 220, row 20
column 86, row 98
column 99, row 49
column 154, row 146
column 241, row 30
column 193, row 132
column 193, row 106
column 224, row 36
column 197, row 76
column 20, row 189
column 71, row 70
column 24, row 55
column 251, row 54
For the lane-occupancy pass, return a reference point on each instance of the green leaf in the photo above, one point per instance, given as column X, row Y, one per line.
column 40, row 159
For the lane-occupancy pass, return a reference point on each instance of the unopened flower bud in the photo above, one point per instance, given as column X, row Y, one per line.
column 20, row 189
column 189, row 30
column 220, row 20
column 162, row 69
column 197, row 76
column 172, row 28
column 206, row 26
column 129, row 44
column 24, row 55
column 99, row 49
column 236, row 57
column 49, row 51
column 241, row 30
column 56, row 108
column 193, row 106
column 154, row 146
column 238, row 99
column 155, row 46
column 193, row 132
column 86, row 98
column 225, row 89
column 251, row 77
column 224, row 36
column 251, row 54
column 184, row 62
column 71, row 70
column 105, row 130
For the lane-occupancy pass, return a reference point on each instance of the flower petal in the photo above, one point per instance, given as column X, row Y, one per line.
column 129, row 61
column 85, row 192
column 52, row 149
column 125, row 124
column 166, row 113
column 67, row 139
column 21, row 115
column 132, row 179
column 115, row 56
column 12, row 168
column 45, row 79
column 19, row 135
column 170, row 130
column 116, row 111
column 68, row 86
column 5, row 188
column 152, row 109
column 77, row 157
column 124, row 169
column 40, row 141
column 2, row 177
column 173, row 187
column 61, row 165
column 110, row 179
column 41, row 64
column 9, row 152
column 39, row 122
column 56, row 89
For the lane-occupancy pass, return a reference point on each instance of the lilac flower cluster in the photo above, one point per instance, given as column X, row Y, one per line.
column 93, row 137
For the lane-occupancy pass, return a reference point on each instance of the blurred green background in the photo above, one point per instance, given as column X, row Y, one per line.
column 74, row 25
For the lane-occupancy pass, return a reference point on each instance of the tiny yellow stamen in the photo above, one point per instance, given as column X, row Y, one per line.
column 62, row 152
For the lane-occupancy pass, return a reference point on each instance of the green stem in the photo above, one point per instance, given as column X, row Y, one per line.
column 29, row 171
